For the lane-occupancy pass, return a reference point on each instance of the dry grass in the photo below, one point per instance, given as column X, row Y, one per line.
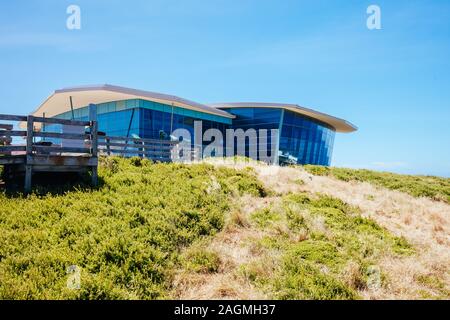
column 423, row 222
column 235, row 247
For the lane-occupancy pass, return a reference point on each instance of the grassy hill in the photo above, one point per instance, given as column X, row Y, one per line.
column 418, row 186
column 228, row 230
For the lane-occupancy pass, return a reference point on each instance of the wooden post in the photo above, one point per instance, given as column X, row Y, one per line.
column 94, row 137
column 29, row 154
column 94, row 142
column 94, row 152
column 108, row 147
column 94, row 176
column 43, row 125
column 92, row 112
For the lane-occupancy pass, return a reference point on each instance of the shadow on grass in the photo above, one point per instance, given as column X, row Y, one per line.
column 50, row 183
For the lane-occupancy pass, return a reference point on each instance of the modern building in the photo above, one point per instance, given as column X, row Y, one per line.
column 305, row 136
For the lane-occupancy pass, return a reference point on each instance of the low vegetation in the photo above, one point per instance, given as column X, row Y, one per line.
column 197, row 259
column 432, row 187
column 325, row 238
column 125, row 237
column 240, row 230
column 326, row 249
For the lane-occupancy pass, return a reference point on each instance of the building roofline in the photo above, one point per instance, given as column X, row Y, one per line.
column 340, row 125
column 58, row 102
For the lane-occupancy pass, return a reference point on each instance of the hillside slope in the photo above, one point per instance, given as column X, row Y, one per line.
column 240, row 230
column 124, row 238
column 313, row 230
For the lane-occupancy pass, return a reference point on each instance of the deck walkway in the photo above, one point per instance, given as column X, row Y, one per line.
column 25, row 148
column 24, row 152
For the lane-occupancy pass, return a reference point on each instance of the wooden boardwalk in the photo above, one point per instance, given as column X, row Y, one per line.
column 24, row 152
column 153, row 149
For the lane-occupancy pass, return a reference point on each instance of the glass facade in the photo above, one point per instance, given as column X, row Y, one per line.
column 301, row 140
column 256, row 118
column 304, row 140
column 146, row 119
column 157, row 124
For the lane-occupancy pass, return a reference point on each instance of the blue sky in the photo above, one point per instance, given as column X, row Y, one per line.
column 394, row 83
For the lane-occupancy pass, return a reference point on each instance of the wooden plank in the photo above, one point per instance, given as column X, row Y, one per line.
column 156, row 159
column 12, row 148
column 94, row 127
column 68, row 161
column 124, row 155
column 71, row 136
column 9, row 117
column 94, row 173
column 28, row 176
column 108, row 147
column 62, row 121
column 29, row 135
column 57, row 149
column 20, row 168
column 164, row 147
column 6, row 126
column 12, row 160
column 53, row 168
column 12, row 133
column 41, row 168
column 139, row 140
column 133, row 145
column 94, row 133
column 138, row 151
column 144, row 153
column 29, row 150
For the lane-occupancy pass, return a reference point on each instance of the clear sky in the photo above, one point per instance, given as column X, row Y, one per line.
column 393, row 83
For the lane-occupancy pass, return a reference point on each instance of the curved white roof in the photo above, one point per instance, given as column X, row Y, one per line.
column 59, row 102
column 82, row 96
column 339, row 124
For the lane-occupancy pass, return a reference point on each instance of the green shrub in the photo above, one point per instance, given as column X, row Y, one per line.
column 317, row 170
column 324, row 236
column 125, row 237
column 243, row 182
column 264, row 217
column 201, row 260
column 136, row 161
column 435, row 188
column 436, row 284
column 301, row 280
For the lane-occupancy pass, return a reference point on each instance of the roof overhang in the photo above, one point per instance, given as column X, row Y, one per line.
column 338, row 124
column 59, row 101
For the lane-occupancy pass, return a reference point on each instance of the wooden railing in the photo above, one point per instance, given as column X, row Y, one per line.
column 37, row 153
column 154, row 149
column 37, row 150
column 5, row 140
column 7, row 133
